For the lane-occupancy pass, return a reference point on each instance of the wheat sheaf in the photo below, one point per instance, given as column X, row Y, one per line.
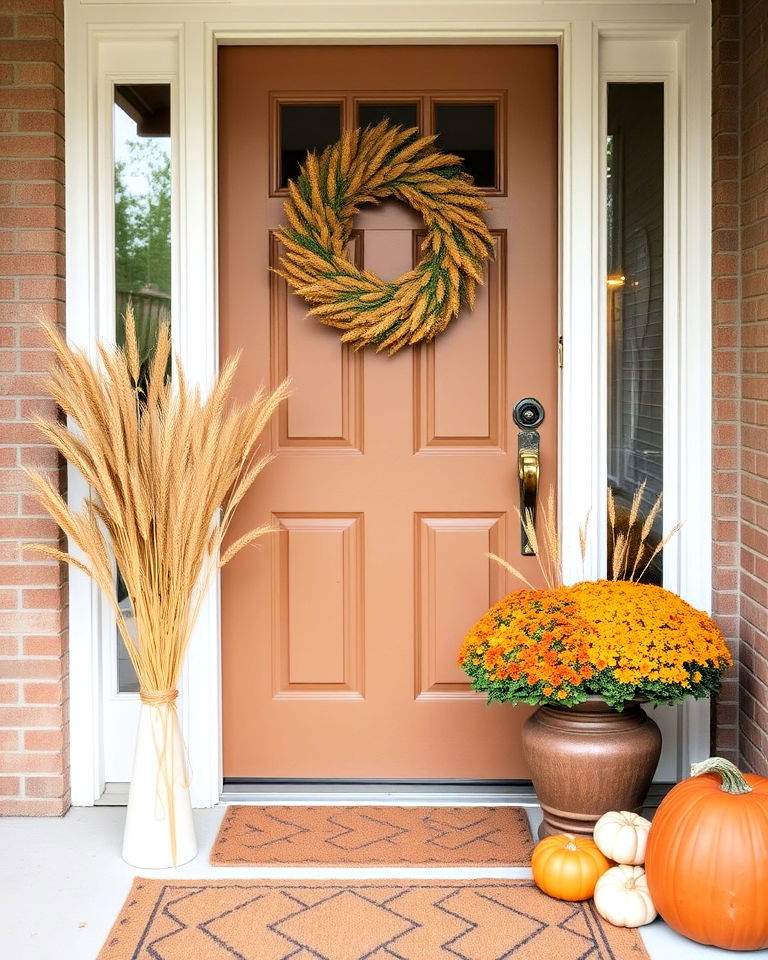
column 167, row 471
column 367, row 166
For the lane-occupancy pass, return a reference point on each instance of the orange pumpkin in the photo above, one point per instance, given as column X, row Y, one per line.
column 568, row 867
column 707, row 857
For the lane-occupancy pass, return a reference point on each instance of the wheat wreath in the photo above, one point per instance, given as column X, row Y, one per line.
column 366, row 166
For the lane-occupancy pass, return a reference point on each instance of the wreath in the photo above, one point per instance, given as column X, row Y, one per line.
column 365, row 166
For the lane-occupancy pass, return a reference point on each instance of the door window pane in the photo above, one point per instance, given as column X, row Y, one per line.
column 142, row 155
column 635, row 292
column 305, row 127
column 400, row 114
column 469, row 130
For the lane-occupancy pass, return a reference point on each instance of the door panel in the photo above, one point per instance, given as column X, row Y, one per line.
column 394, row 476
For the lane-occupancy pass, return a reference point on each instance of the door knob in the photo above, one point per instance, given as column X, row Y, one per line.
column 528, row 414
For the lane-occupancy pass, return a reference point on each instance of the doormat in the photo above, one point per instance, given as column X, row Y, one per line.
column 359, row 920
column 332, row 836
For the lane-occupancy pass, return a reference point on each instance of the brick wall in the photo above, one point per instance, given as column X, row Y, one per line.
column 33, row 620
column 753, row 612
column 740, row 293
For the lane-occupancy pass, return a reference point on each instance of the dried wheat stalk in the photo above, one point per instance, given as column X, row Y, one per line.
column 167, row 470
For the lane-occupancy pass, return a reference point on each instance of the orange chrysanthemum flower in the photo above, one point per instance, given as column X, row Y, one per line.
column 617, row 639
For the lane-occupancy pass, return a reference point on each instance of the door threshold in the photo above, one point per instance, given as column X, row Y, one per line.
column 414, row 794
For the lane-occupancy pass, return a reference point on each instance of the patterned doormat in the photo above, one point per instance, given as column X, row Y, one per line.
column 373, row 836
column 359, row 920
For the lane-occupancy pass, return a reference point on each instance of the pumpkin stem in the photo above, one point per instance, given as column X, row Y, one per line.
column 732, row 780
column 571, row 845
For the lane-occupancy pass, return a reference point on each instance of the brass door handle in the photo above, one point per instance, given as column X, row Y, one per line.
column 528, row 414
column 528, row 471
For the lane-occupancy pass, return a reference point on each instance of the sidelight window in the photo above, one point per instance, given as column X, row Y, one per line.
column 635, row 302
column 142, row 212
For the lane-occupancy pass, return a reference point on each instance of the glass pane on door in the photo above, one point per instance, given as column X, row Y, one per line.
column 635, row 294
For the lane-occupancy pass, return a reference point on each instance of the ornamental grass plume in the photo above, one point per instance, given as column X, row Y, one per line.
column 617, row 638
column 167, row 471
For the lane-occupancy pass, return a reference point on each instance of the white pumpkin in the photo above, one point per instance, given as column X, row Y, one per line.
column 622, row 897
column 622, row 835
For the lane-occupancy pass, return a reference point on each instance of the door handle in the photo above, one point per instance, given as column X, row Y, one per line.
column 528, row 414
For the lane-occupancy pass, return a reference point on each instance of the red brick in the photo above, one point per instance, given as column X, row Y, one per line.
column 31, row 763
column 28, row 528
column 41, row 599
column 31, row 716
column 38, row 27
column 11, row 740
column 40, row 121
column 34, row 808
column 49, row 740
column 38, row 145
column 41, row 240
column 37, row 361
column 45, row 786
column 9, row 786
column 24, row 669
column 51, row 194
column 45, row 646
column 50, row 693
column 48, row 288
column 29, row 216
column 9, row 693
column 40, row 74
column 39, row 168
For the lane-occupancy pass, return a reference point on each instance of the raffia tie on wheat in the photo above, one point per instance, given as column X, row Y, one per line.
column 367, row 166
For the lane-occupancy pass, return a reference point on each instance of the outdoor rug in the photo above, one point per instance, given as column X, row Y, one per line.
column 373, row 837
column 359, row 920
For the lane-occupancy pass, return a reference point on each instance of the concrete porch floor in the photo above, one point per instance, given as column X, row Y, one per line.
column 62, row 883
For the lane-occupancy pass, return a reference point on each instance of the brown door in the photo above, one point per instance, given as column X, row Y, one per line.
column 394, row 476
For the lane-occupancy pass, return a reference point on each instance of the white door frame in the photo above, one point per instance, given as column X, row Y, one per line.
column 178, row 41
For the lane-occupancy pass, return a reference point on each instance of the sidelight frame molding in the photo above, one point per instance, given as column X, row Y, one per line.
column 183, row 39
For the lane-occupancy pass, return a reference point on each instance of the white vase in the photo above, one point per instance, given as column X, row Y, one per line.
column 159, row 830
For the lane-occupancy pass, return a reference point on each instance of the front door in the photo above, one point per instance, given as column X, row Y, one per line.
column 394, row 476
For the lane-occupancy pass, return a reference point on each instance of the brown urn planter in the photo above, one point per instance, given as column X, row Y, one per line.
column 587, row 760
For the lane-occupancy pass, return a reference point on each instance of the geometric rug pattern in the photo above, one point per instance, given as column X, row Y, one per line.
column 373, row 836
column 359, row 920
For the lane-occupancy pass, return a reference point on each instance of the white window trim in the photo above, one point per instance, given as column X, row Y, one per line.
column 584, row 36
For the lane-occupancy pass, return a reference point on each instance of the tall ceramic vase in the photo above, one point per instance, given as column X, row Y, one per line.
column 159, row 830
column 587, row 760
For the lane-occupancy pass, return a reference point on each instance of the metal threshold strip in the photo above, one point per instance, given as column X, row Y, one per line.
column 520, row 793
column 517, row 793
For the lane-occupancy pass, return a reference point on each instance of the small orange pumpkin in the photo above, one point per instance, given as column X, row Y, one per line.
column 567, row 867
column 707, row 857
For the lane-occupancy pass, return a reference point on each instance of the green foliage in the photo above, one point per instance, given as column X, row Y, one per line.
column 143, row 219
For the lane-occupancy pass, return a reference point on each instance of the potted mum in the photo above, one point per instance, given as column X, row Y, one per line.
column 588, row 656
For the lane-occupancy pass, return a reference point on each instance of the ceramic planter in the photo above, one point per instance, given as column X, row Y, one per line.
column 159, row 830
column 587, row 760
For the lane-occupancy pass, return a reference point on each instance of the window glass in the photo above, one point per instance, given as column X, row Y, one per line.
column 142, row 156
column 305, row 127
column 469, row 130
column 635, row 295
column 400, row 114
